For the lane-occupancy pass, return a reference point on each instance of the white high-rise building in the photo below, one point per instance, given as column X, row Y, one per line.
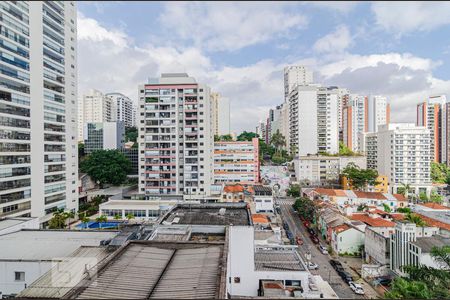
column 122, row 109
column 175, row 136
column 220, row 114
column 296, row 75
column 313, row 120
column 95, row 107
column 355, row 120
column 279, row 118
column 38, row 108
column 401, row 152
column 379, row 112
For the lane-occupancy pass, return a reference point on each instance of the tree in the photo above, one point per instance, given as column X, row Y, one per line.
column 436, row 198
column 416, row 219
column 69, row 215
column 131, row 134
column 361, row 207
column 293, row 191
column 424, row 282
column 117, row 217
column 423, row 197
column 106, row 166
column 404, row 210
column 246, row 136
column 360, row 178
column 305, row 208
column 129, row 217
column 223, row 138
column 58, row 221
column 386, row 208
column 101, row 219
column 278, row 141
column 83, row 218
column 80, row 150
column 345, row 151
column 439, row 172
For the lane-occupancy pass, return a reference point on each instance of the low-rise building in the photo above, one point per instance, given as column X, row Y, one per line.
column 347, row 239
column 376, row 247
column 420, row 251
column 263, row 199
column 236, row 162
column 382, row 185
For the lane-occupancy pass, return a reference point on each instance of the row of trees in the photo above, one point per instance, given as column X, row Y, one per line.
column 305, row 208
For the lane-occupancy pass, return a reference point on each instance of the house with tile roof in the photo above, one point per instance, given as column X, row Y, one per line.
column 347, row 239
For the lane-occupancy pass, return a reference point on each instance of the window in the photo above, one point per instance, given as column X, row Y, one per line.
column 19, row 276
column 237, row 279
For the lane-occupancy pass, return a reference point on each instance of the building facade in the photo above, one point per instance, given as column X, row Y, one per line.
column 220, row 114
column 104, row 136
column 123, row 109
column 236, row 162
column 175, row 136
column 313, row 120
column 38, row 108
column 401, row 151
column 432, row 114
column 296, row 75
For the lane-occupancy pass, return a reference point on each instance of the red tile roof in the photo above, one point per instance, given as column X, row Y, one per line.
column 434, row 223
column 340, row 228
column 328, row 192
column 370, row 195
column 378, row 211
column 259, row 218
column 400, row 197
column 434, row 205
column 374, row 222
column 237, row 188
column 397, row 216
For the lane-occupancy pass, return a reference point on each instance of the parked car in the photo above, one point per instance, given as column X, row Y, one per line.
column 289, row 235
column 357, row 288
column 299, row 241
column 386, row 281
column 312, row 266
column 323, row 249
column 345, row 276
column 285, row 226
column 314, row 239
column 311, row 231
column 335, row 263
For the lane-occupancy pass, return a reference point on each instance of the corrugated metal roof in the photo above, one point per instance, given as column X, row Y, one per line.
column 65, row 274
column 277, row 260
column 158, row 270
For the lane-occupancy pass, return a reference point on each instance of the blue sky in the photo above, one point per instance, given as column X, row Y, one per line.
column 400, row 50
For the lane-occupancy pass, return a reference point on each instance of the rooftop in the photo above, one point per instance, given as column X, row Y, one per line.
column 374, row 222
column 65, row 274
column 209, row 214
column 433, row 205
column 48, row 244
column 262, row 190
column 158, row 270
column 235, row 188
column 428, row 243
column 278, row 260
column 440, row 219
column 10, row 222
column 260, row 218
column 341, row 228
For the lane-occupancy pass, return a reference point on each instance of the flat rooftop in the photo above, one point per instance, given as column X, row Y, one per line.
column 158, row 270
column 209, row 214
column 10, row 222
column 428, row 243
column 48, row 244
column 278, row 260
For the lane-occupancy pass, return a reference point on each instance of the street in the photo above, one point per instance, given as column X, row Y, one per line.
column 325, row 270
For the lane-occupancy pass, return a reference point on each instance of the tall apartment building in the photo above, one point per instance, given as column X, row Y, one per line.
column 236, row 162
column 363, row 114
column 122, row 109
column 38, row 108
column 220, row 114
column 94, row 107
column 401, row 152
column 175, row 136
column 296, row 75
column 433, row 114
column 313, row 120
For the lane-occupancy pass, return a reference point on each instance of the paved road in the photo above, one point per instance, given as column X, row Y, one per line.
column 325, row 269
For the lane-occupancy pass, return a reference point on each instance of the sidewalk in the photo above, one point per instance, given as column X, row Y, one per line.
column 353, row 264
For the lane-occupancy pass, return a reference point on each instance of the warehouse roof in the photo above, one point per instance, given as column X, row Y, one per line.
column 158, row 270
column 277, row 260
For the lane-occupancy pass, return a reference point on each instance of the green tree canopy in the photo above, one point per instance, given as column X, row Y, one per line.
column 246, row 136
column 416, row 219
column 278, row 141
column 223, row 138
column 423, row 197
column 436, row 198
column 293, row 191
column 305, row 208
column 131, row 134
column 439, row 172
column 360, row 178
column 345, row 151
column 106, row 166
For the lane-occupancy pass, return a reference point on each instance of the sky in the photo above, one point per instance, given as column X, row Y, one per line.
column 397, row 49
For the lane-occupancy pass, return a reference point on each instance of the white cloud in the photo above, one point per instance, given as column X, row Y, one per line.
column 90, row 30
column 340, row 6
column 229, row 26
column 407, row 17
column 336, row 41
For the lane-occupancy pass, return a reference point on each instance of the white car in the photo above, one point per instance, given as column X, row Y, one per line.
column 312, row 266
column 357, row 288
column 323, row 250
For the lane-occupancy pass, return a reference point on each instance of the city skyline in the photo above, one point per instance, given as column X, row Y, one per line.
column 364, row 47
